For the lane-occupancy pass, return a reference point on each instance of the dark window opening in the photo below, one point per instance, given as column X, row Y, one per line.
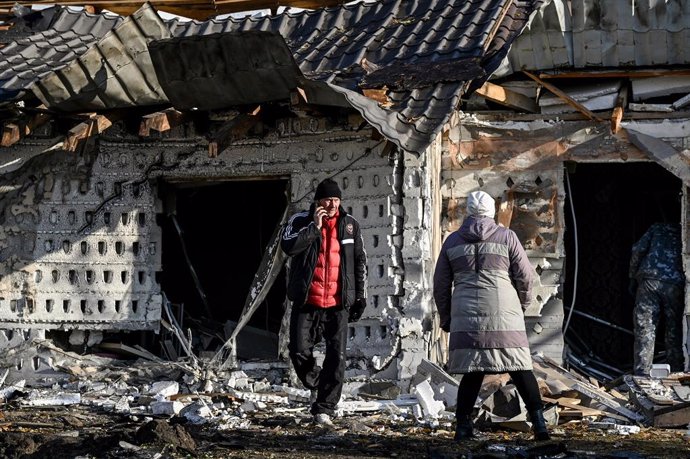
column 614, row 205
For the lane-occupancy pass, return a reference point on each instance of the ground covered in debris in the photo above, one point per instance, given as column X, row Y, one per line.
column 101, row 406
column 77, row 431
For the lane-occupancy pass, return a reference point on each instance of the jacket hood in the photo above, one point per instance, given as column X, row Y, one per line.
column 475, row 228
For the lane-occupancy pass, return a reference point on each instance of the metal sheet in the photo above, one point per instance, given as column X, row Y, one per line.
column 115, row 72
column 210, row 72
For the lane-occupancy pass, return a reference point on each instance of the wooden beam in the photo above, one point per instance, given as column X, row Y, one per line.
column 617, row 113
column 161, row 121
column 629, row 115
column 675, row 416
column 566, row 98
column 503, row 96
column 234, row 129
column 615, row 74
column 84, row 131
column 379, row 95
column 13, row 132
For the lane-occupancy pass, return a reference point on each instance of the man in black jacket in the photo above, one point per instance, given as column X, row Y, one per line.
column 327, row 287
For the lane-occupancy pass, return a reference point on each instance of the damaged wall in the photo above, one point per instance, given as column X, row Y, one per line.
column 81, row 245
column 521, row 162
column 67, row 260
column 518, row 165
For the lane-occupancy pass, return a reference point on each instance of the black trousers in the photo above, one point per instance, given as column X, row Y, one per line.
column 308, row 326
column 471, row 383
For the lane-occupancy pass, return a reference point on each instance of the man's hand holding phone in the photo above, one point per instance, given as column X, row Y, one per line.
column 319, row 214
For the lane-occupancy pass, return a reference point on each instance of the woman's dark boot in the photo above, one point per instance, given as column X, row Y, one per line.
column 463, row 427
column 539, row 425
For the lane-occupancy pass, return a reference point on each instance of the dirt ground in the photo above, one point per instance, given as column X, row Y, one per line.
column 70, row 432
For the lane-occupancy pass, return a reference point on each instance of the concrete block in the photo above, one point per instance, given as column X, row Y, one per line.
column 164, row 388
column 166, row 408
column 425, row 395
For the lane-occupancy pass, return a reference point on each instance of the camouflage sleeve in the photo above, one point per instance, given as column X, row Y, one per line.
column 639, row 250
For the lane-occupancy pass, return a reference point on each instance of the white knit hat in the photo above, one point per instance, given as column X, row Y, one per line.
column 480, row 204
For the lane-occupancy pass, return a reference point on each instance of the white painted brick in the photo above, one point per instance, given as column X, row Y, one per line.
column 414, row 212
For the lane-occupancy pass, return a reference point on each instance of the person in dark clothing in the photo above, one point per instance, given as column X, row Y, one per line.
column 327, row 287
column 482, row 286
column 657, row 281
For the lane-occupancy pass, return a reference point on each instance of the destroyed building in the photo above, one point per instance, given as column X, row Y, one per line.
column 149, row 163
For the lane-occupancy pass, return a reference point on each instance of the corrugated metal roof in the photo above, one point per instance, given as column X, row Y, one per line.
column 603, row 33
column 68, row 35
column 115, row 72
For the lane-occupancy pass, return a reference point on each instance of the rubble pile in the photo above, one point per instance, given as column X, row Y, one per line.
column 192, row 392
column 185, row 388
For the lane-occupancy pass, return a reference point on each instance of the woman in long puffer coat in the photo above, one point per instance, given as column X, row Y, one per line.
column 482, row 286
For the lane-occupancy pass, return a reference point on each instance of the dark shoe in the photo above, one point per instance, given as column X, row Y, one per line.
column 539, row 425
column 463, row 428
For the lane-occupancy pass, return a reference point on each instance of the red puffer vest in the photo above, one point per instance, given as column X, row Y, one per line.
column 324, row 290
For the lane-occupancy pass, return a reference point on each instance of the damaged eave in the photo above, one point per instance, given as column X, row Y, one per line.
column 566, row 98
column 676, row 162
column 17, row 129
column 87, row 130
column 221, row 70
column 508, row 98
column 114, row 73
column 162, row 121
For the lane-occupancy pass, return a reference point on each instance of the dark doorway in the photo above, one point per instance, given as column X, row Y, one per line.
column 614, row 205
column 225, row 228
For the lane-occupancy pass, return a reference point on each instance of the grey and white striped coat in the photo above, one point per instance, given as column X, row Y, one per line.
column 482, row 285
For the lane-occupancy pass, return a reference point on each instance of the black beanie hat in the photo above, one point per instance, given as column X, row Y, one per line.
column 327, row 189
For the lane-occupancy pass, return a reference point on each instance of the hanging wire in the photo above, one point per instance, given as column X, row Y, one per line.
column 572, row 210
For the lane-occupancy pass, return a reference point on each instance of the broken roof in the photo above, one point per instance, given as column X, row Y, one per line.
column 103, row 62
column 596, row 33
column 53, row 38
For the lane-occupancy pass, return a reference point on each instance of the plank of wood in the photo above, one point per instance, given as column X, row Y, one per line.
column 85, row 130
column 676, row 416
column 617, row 113
column 608, row 401
column 614, row 73
column 161, row 121
column 586, row 411
column 232, row 130
column 15, row 131
column 507, row 97
column 565, row 97
column 379, row 95
column 11, row 134
column 617, row 394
